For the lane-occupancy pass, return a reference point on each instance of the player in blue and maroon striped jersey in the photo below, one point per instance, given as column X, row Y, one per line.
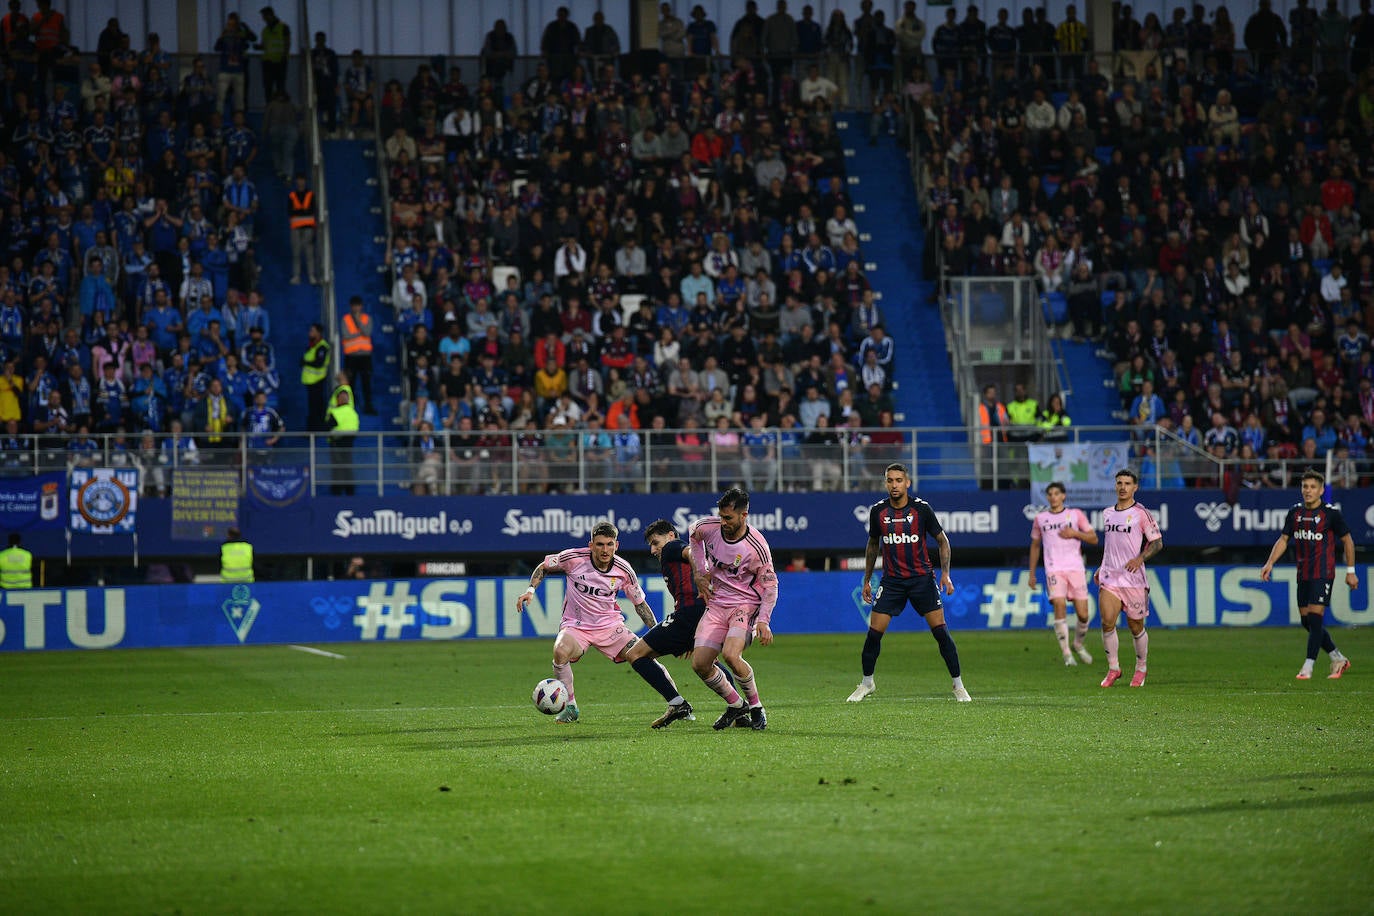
column 898, row 528
column 1314, row 526
column 676, row 634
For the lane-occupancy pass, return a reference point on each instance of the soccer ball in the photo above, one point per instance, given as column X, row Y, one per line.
column 550, row 696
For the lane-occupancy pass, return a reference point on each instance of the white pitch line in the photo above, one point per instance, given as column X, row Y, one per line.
column 320, row 652
column 316, row 651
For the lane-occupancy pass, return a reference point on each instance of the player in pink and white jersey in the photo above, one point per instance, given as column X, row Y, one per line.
column 1061, row 532
column 734, row 573
column 591, row 613
column 1129, row 538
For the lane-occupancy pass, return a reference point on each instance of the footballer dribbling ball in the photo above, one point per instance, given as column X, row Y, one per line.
column 550, row 696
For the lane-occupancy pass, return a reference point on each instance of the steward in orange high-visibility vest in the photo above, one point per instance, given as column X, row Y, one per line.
column 357, row 349
column 301, row 206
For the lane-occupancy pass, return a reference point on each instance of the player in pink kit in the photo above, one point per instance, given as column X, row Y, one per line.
column 734, row 573
column 1130, row 537
column 591, row 614
column 1063, row 532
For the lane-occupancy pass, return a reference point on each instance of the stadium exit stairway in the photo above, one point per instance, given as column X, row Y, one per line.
column 893, row 239
column 1094, row 395
column 350, row 173
column 291, row 308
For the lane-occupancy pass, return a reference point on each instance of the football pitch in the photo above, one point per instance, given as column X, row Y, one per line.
column 419, row 778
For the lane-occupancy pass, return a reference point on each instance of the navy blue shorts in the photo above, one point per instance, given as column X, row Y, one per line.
column 675, row 635
column 893, row 596
column 1314, row 591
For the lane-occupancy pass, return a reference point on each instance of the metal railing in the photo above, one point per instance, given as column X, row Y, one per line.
column 324, row 246
column 579, row 460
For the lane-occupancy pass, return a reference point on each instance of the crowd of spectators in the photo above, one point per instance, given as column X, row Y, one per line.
column 1199, row 210
column 129, row 300
column 598, row 253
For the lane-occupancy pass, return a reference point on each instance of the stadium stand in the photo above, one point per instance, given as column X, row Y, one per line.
column 1191, row 213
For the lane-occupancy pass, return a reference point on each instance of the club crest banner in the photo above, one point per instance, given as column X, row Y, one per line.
column 278, row 486
column 103, row 500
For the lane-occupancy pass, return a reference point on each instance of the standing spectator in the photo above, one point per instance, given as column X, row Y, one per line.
column 359, row 88
column 498, row 53
column 672, row 32
column 780, row 42
column 50, row 35
column 276, row 52
column 1072, row 39
column 9, row 25
column 703, row 42
column 600, row 43
column 281, row 124
column 301, row 203
column 746, row 38
column 325, row 64
column 1333, row 36
column 945, row 43
column 1266, row 37
column 1302, row 21
column 559, row 45
column 232, row 78
column 880, row 58
column 911, row 39
column 839, row 49
column 357, row 349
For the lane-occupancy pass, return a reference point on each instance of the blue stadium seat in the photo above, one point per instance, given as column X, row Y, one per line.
column 1103, row 154
column 1057, row 99
column 823, row 186
column 1320, row 266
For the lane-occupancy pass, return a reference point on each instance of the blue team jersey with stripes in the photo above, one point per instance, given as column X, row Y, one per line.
column 902, row 532
column 1314, row 533
column 677, row 572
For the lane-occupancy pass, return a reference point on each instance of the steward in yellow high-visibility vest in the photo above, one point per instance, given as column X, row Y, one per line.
column 16, row 565
column 314, row 376
column 235, row 558
column 344, row 421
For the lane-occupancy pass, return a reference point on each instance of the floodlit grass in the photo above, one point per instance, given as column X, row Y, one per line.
column 418, row 778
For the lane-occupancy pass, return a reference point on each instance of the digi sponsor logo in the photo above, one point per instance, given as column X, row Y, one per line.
column 1031, row 510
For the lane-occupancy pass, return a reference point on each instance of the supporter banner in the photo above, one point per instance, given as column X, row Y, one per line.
column 103, row 500
column 205, row 503
column 465, row 608
column 449, row 528
column 1087, row 470
column 279, row 486
column 32, row 503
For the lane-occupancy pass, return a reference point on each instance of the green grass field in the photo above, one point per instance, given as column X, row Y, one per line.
column 418, row 778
